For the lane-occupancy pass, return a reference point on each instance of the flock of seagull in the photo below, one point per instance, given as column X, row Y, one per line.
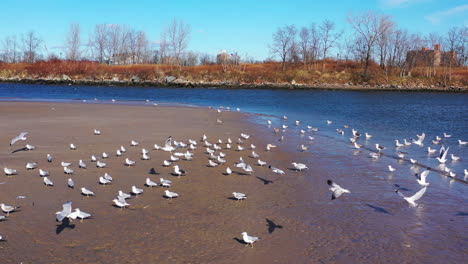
column 217, row 152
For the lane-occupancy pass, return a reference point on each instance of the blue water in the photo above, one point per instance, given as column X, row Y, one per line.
column 385, row 115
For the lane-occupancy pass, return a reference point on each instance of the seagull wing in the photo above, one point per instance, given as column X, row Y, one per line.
column 424, row 175
column 418, row 195
column 441, row 151
column 444, row 155
column 67, row 209
column 20, row 136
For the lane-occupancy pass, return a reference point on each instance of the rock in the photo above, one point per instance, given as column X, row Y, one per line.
column 115, row 79
column 180, row 81
column 293, row 82
column 66, row 77
column 169, row 79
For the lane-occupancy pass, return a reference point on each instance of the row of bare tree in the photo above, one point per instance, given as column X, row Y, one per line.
column 375, row 37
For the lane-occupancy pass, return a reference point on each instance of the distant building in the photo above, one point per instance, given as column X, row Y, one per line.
column 428, row 57
column 125, row 58
column 223, row 57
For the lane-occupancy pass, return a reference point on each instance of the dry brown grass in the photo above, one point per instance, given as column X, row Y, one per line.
column 329, row 71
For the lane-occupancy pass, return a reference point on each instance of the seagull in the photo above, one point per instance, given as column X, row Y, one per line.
column 391, row 169
column 129, row 162
column 299, row 166
column 247, row 168
column 420, row 140
column 93, row 158
column 406, row 142
column 103, row 181
column 398, row 144
column 412, row 200
column 170, row 194
column 228, row 146
column 421, row 178
column 43, row 173
column 136, row 191
column 156, row 147
column 443, row 154
column 9, row 171
column 30, row 147
column 379, row 148
column 276, row 170
column 66, row 211
column 357, row 146
column 48, row 182
column 21, row 136
column 120, row 202
column 31, row 165
column 7, row 208
column 374, row 155
column 105, row 155
column 178, row 171
column 122, row 148
column 81, row 164
column 438, row 138
column 173, row 158
column 255, row 155
column 134, row 143
column 86, row 192
column 118, row 153
column 72, row 146
column 285, row 118
column 167, row 163
column 249, row 239
column 401, row 154
column 67, row 170
column 413, row 161
column 145, row 156
column 430, row 151
column 228, row 171
column 212, row 164
column 298, row 122
column 165, row 183
column 71, row 183
column 461, row 142
column 336, row 190
column 303, row 148
column 329, row 122
column 368, row 135
column 269, row 147
column 447, row 136
column 108, row 177
column 261, row 163
column 245, row 136
column 49, row 158
column 240, row 148
column 454, row 158
column 100, row 164
column 239, row 196
column 124, row 195
column 97, row 132
column 79, row 214
column 150, row 183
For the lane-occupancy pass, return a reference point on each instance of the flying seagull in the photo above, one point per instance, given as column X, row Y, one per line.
column 412, row 200
column 421, row 178
column 66, row 211
column 336, row 190
column 21, row 136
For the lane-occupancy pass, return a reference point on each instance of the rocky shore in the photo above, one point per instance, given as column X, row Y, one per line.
column 172, row 81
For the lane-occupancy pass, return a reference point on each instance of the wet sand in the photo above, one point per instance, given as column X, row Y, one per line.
column 292, row 214
column 203, row 225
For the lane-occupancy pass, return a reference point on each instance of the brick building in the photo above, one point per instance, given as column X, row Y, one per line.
column 428, row 57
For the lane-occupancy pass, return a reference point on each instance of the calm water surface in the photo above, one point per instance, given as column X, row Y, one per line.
column 385, row 115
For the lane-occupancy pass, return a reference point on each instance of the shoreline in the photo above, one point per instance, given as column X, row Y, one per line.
column 232, row 85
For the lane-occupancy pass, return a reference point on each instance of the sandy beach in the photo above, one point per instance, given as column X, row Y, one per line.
column 203, row 225
column 292, row 214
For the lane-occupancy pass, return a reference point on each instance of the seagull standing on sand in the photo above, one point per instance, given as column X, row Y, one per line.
column 72, row 146
column 178, row 171
column 228, row 171
column 165, row 183
column 86, row 192
column 79, row 214
column 412, row 200
column 120, row 202
column 81, row 164
column 336, row 190
column 7, row 208
column 48, row 182
column 49, row 158
column 299, row 166
column 97, row 132
column 136, row 190
column 9, row 171
column 150, row 183
column 71, row 183
column 276, row 170
column 100, row 164
column 21, row 136
column 31, row 165
column 43, row 173
column 170, row 194
column 239, row 196
column 249, row 239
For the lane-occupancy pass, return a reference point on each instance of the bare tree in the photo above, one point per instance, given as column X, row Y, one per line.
column 10, row 48
column 178, row 34
column 327, row 37
column 163, row 49
column 31, row 43
column 304, row 45
column 99, row 41
column 370, row 27
column 283, row 41
column 73, row 42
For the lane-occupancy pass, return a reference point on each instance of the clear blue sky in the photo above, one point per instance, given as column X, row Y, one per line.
column 245, row 26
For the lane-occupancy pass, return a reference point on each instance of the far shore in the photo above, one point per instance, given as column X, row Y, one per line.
column 233, row 85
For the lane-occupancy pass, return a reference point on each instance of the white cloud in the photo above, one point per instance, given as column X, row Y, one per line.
column 438, row 17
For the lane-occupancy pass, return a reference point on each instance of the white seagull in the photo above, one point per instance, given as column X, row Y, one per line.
column 120, row 202
column 421, row 178
column 21, row 136
column 43, row 173
column 72, row 146
column 276, row 170
column 249, row 239
column 165, row 183
column 443, row 154
column 100, row 164
column 66, row 211
column 412, row 200
column 81, row 164
column 136, row 190
column 391, row 169
column 31, row 165
column 129, row 162
column 97, row 132
column 239, row 196
column 150, row 183
column 336, row 190
column 9, row 171
column 86, row 192
column 79, row 214
column 228, row 171
column 71, row 183
column 170, row 194
column 299, row 166
column 48, row 182
column 49, row 158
